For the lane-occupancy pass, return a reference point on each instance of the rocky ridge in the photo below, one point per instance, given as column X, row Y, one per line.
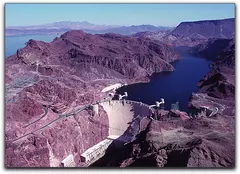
column 194, row 33
column 45, row 80
column 217, row 88
column 177, row 143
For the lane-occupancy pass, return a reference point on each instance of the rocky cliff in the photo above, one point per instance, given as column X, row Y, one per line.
column 194, row 33
column 46, row 80
column 210, row 49
column 205, row 141
column 178, row 143
column 209, row 28
column 217, row 88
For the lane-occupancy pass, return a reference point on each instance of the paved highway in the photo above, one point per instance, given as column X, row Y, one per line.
column 74, row 112
column 61, row 116
column 46, row 112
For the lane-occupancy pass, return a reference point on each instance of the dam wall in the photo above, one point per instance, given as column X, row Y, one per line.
column 124, row 123
column 124, row 117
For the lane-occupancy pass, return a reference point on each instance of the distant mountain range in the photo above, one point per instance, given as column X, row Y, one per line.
column 61, row 27
column 194, row 33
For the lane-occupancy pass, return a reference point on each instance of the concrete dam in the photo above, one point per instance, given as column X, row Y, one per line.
column 124, row 124
column 124, row 117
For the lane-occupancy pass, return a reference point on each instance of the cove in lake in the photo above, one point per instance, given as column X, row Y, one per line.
column 176, row 86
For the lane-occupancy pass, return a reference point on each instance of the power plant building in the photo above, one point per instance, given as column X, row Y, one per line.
column 97, row 150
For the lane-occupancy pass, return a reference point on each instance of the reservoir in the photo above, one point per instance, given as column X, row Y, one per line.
column 176, row 86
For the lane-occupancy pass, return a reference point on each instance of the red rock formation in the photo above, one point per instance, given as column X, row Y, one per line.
column 194, row 33
column 217, row 88
column 178, row 143
column 44, row 80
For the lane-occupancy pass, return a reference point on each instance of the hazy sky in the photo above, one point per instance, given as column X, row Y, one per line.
column 115, row 14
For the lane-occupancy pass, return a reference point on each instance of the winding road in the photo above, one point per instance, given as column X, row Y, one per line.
column 46, row 112
column 61, row 116
column 74, row 112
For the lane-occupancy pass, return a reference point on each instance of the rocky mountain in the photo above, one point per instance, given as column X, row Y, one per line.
column 63, row 26
column 46, row 80
column 129, row 30
column 157, row 35
column 209, row 28
column 205, row 141
column 210, row 49
column 227, row 56
column 177, row 143
column 217, row 88
column 196, row 32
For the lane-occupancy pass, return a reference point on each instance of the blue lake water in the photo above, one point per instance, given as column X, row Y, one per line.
column 176, row 86
column 13, row 43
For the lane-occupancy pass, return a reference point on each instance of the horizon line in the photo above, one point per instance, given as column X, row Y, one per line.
column 118, row 25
